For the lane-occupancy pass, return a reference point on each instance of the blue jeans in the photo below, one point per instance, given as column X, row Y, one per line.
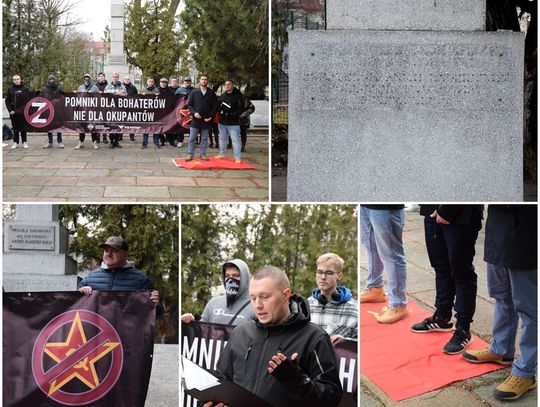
column 381, row 233
column 234, row 132
column 155, row 139
column 451, row 251
column 515, row 294
column 58, row 137
column 193, row 138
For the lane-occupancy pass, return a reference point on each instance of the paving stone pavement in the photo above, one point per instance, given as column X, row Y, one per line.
column 127, row 174
column 163, row 390
column 477, row 391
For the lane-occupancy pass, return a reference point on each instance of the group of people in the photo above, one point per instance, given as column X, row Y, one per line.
column 226, row 119
column 281, row 349
column 451, row 232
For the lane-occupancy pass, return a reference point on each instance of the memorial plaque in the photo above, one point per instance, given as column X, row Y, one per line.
column 452, row 15
column 31, row 237
column 405, row 116
column 116, row 59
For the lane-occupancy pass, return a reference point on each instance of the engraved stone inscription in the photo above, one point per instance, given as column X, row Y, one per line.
column 31, row 237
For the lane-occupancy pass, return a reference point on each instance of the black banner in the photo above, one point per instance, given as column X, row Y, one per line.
column 68, row 349
column 103, row 113
column 202, row 343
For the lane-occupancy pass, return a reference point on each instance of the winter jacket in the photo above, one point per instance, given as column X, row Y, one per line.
column 339, row 316
column 91, row 88
column 152, row 90
column 131, row 89
column 126, row 278
column 467, row 215
column 101, row 86
column 16, row 97
column 313, row 382
column 231, row 106
column 183, row 91
column 249, row 108
column 511, row 236
column 206, row 105
column 52, row 91
column 117, row 88
column 165, row 91
column 217, row 311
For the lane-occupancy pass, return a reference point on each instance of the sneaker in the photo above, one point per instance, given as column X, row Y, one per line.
column 105, row 139
column 219, row 156
column 48, row 145
column 79, row 145
column 144, row 146
column 394, row 314
column 25, row 145
column 157, row 146
column 485, row 356
column 180, row 144
column 189, row 158
column 95, row 143
column 243, row 150
column 514, row 387
column 459, row 341
column 14, row 146
column 132, row 137
column 433, row 324
column 60, row 145
column 237, row 160
column 204, row 158
column 372, row 294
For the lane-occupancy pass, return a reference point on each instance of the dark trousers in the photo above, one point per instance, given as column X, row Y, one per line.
column 451, row 251
column 16, row 136
column 243, row 135
column 95, row 137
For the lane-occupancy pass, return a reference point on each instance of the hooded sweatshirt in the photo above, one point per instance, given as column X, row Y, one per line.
column 339, row 316
column 311, row 381
column 217, row 311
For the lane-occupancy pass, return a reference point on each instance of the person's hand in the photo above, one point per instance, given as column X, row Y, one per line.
column 334, row 338
column 210, row 404
column 207, row 119
column 439, row 218
column 154, row 296
column 86, row 290
column 278, row 360
column 197, row 115
column 187, row 318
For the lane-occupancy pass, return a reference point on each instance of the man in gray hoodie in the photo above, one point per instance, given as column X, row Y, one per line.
column 232, row 308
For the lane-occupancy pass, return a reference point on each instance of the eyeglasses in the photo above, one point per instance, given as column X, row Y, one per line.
column 325, row 273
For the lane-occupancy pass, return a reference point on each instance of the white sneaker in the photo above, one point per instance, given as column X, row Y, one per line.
column 25, row 145
column 60, row 145
column 95, row 145
column 79, row 145
column 48, row 145
column 179, row 145
column 14, row 146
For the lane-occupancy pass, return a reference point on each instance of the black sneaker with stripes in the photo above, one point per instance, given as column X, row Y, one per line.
column 460, row 340
column 433, row 324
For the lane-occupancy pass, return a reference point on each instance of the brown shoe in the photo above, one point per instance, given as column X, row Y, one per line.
column 219, row 156
column 372, row 294
column 189, row 158
column 238, row 161
column 514, row 387
column 394, row 314
column 485, row 356
column 204, row 158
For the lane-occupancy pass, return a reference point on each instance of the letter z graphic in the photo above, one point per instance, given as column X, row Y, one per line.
column 38, row 118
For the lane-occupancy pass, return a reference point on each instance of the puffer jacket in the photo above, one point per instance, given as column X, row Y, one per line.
column 315, row 381
column 126, row 278
column 218, row 312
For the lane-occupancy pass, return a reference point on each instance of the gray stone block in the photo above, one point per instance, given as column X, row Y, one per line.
column 448, row 15
column 405, row 116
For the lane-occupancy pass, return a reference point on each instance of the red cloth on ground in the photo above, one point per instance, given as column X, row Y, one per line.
column 212, row 163
column 405, row 364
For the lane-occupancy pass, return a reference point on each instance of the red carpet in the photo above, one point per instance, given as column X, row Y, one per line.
column 212, row 163
column 405, row 364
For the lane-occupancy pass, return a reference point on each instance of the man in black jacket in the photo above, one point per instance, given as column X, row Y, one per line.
column 52, row 90
column 203, row 107
column 451, row 232
column 281, row 356
column 101, row 85
column 17, row 95
column 511, row 255
column 231, row 106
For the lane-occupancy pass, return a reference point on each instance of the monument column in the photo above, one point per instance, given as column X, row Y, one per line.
column 116, row 60
column 36, row 252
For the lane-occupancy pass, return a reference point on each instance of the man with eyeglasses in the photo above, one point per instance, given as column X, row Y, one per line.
column 331, row 305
